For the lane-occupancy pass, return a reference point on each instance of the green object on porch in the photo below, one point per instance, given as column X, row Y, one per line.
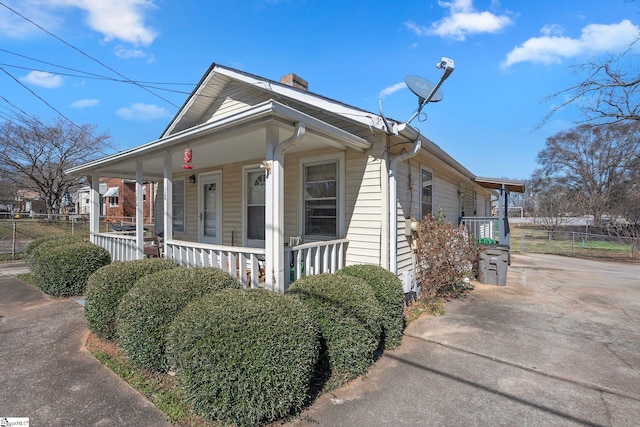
column 486, row 241
column 292, row 272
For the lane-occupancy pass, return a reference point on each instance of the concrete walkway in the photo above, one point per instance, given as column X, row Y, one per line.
column 47, row 374
column 559, row 345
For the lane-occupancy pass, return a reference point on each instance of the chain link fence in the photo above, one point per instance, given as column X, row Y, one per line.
column 16, row 232
column 573, row 243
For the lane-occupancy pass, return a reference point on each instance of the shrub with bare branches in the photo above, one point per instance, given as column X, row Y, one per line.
column 444, row 258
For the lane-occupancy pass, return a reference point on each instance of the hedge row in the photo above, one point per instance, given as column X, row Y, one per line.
column 247, row 357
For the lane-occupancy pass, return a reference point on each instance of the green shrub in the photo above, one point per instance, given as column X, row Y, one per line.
column 245, row 357
column 348, row 314
column 63, row 270
column 107, row 286
column 390, row 295
column 50, row 241
column 147, row 310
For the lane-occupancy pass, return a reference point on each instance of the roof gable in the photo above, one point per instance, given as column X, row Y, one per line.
column 223, row 91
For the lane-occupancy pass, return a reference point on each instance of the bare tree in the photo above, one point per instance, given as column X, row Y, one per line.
column 34, row 155
column 610, row 92
column 594, row 162
column 553, row 200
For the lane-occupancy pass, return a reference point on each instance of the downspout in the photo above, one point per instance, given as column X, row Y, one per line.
column 275, row 264
column 393, row 204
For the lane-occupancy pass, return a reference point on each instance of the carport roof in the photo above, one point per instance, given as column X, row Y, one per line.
column 497, row 183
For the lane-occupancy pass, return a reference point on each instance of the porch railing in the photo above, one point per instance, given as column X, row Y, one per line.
column 314, row 258
column 122, row 247
column 481, row 227
column 246, row 264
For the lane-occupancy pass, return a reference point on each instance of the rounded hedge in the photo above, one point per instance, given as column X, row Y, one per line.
column 106, row 287
column 348, row 314
column 49, row 242
column 388, row 290
column 245, row 357
column 63, row 270
column 147, row 309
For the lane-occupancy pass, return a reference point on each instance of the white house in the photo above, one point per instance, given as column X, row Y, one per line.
column 264, row 176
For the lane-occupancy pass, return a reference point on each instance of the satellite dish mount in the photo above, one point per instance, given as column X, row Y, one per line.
column 427, row 91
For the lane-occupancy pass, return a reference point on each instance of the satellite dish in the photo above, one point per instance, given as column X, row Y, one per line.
column 423, row 88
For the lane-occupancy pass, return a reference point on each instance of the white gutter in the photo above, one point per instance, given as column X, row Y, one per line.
column 267, row 109
column 393, row 204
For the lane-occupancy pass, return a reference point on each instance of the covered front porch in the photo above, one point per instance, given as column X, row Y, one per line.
column 226, row 206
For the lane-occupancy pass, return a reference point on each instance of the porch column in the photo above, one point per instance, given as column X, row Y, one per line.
column 139, row 252
column 94, row 207
column 503, row 219
column 168, row 199
column 273, row 227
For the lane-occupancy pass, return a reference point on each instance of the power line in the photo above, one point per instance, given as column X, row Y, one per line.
column 47, row 104
column 86, row 72
column 87, row 55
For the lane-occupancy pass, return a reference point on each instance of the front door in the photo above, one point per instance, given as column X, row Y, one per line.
column 210, row 208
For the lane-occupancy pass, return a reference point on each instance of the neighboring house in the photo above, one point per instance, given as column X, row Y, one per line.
column 259, row 175
column 118, row 200
column 30, row 201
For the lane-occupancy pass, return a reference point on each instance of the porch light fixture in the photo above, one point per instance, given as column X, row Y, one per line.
column 187, row 159
column 192, row 179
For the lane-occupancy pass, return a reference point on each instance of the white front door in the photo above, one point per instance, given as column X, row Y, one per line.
column 210, row 208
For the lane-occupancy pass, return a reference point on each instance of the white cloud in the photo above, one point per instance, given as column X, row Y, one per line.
column 122, row 20
column 125, row 53
column 391, row 89
column 552, row 47
column 85, row 103
column 43, row 79
column 142, row 112
column 462, row 21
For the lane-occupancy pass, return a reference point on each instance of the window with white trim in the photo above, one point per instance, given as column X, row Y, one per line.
column 321, row 198
column 426, row 193
column 178, row 206
column 113, row 201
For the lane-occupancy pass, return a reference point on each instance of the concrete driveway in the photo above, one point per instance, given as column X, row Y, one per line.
column 559, row 345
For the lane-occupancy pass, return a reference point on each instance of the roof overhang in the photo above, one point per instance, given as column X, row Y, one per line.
column 228, row 139
column 499, row 183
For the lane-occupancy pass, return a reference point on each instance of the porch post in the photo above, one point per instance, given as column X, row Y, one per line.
column 139, row 253
column 273, row 240
column 94, row 207
column 168, row 200
column 503, row 219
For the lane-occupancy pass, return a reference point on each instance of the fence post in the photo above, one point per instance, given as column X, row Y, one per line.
column 522, row 242
column 13, row 241
column 573, row 241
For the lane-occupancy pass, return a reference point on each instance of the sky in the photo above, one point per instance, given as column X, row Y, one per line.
column 127, row 66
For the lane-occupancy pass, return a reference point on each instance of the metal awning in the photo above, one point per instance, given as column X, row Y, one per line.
column 111, row 192
column 497, row 183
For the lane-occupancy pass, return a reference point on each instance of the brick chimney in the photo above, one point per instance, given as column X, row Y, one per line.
column 294, row 80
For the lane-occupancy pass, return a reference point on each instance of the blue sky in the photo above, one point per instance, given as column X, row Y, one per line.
column 509, row 57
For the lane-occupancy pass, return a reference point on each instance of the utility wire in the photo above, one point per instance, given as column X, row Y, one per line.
column 47, row 104
column 86, row 72
column 86, row 54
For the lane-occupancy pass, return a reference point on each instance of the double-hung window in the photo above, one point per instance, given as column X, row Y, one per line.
column 321, row 196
